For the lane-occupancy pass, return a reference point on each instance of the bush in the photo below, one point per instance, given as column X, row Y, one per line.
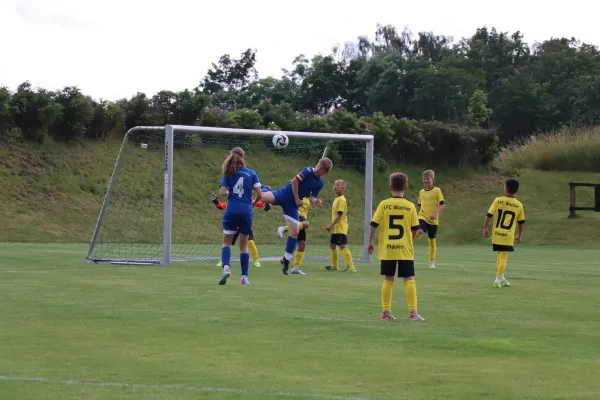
column 575, row 150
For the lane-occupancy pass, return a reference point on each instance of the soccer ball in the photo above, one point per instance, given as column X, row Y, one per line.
column 280, row 141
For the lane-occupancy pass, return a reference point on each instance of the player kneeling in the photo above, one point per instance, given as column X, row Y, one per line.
column 399, row 226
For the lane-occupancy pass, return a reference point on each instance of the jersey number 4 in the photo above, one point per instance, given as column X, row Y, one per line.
column 394, row 224
column 501, row 220
column 239, row 188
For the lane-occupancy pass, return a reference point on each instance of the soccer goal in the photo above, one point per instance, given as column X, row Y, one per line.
column 158, row 207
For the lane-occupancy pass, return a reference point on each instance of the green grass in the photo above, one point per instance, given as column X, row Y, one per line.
column 81, row 327
column 54, row 195
column 575, row 150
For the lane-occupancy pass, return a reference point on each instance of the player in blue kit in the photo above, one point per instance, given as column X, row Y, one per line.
column 237, row 184
column 308, row 183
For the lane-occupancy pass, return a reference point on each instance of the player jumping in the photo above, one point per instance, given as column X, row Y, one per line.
column 308, row 183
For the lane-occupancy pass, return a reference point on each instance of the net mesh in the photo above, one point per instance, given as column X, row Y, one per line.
column 132, row 223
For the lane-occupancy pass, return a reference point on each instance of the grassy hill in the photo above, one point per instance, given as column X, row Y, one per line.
column 54, row 193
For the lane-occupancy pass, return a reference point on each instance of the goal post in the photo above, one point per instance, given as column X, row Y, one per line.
column 141, row 224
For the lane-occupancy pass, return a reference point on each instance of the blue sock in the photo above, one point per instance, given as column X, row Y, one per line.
column 245, row 261
column 290, row 246
column 225, row 255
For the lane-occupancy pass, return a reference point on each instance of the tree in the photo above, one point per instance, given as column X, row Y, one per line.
column 478, row 110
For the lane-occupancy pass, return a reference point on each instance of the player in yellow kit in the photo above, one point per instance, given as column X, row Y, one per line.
column 431, row 203
column 508, row 215
column 339, row 229
column 301, row 244
column 399, row 224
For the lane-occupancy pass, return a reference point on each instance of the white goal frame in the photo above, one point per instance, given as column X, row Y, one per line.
column 169, row 131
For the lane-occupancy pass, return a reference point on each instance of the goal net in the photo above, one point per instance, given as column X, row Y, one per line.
column 159, row 208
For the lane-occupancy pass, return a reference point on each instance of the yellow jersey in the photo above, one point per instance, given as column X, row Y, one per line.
column 340, row 207
column 429, row 201
column 506, row 212
column 397, row 218
column 303, row 210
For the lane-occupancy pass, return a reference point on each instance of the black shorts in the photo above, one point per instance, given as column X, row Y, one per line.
column 406, row 268
column 431, row 230
column 237, row 234
column 338, row 239
column 302, row 232
column 502, row 247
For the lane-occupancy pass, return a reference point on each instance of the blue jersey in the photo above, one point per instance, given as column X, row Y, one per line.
column 240, row 186
column 308, row 184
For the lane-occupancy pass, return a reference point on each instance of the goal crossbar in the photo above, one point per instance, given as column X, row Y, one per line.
column 169, row 130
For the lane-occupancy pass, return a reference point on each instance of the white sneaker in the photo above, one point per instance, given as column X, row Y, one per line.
column 245, row 281
column 431, row 265
column 280, row 231
column 297, row 271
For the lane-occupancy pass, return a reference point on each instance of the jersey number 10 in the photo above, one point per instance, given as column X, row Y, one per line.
column 501, row 219
column 393, row 224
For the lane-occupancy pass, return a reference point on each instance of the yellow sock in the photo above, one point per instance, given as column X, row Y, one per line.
column 386, row 295
column 298, row 258
column 501, row 263
column 253, row 250
column 348, row 257
column 335, row 256
column 411, row 294
column 432, row 250
column 285, row 229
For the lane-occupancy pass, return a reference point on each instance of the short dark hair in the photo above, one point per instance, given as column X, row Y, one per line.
column 512, row 185
column 398, row 181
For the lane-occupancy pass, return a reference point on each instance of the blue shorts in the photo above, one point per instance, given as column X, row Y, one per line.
column 233, row 223
column 287, row 203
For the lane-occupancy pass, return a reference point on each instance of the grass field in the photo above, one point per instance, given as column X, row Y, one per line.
column 69, row 330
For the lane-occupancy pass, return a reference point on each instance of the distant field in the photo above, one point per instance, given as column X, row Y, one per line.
column 69, row 330
column 54, row 195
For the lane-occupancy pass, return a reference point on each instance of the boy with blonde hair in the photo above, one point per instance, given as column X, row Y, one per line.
column 399, row 226
column 339, row 229
column 431, row 204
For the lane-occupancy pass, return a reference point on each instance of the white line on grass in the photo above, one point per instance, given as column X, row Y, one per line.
column 180, row 387
column 339, row 319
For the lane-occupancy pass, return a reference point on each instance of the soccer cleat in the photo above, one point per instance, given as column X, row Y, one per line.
column 330, row 268
column 286, row 265
column 501, row 284
column 297, row 271
column 226, row 274
column 349, row 269
column 244, row 281
column 387, row 316
column 220, row 264
column 432, row 265
column 257, row 264
column 414, row 316
column 280, row 231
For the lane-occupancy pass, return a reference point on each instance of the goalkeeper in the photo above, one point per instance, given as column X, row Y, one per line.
column 251, row 245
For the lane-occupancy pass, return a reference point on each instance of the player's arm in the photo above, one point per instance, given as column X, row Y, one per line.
column 375, row 222
column 488, row 217
column 223, row 187
column 520, row 224
column 257, row 189
column 441, row 205
column 313, row 198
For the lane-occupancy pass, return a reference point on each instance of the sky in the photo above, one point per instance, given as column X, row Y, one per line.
column 112, row 49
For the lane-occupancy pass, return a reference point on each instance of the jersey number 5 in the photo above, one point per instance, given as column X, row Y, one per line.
column 393, row 224
column 239, row 188
column 501, row 219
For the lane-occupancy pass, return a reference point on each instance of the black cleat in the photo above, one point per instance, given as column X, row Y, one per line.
column 286, row 265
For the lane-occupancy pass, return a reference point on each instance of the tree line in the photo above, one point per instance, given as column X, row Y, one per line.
column 425, row 97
